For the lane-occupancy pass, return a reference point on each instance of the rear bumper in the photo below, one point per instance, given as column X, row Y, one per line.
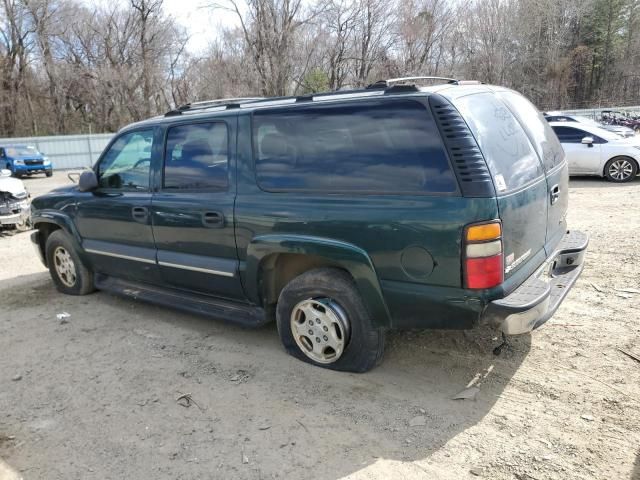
column 535, row 301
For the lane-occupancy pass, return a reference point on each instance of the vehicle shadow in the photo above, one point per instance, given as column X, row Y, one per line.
column 254, row 397
column 401, row 411
column 635, row 474
column 597, row 182
column 8, row 232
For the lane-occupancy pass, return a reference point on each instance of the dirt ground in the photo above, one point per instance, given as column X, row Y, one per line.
column 95, row 398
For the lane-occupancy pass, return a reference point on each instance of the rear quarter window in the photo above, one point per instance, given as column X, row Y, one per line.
column 361, row 147
column 510, row 155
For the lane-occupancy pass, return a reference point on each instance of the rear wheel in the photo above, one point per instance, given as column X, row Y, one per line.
column 322, row 320
column 65, row 266
column 621, row 169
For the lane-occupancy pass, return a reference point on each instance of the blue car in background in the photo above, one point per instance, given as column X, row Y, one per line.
column 24, row 160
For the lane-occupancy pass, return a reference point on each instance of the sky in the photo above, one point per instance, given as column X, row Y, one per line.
column 202, row 24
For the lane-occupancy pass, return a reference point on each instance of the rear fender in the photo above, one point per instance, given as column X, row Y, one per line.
column 336, row 253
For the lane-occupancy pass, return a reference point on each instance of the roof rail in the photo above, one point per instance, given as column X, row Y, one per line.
column 389, row 82
column 219, row 102
column 381, row 87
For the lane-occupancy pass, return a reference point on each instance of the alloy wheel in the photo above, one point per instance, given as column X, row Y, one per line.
column 620, row 169
column 320, row 328
column 65, row 268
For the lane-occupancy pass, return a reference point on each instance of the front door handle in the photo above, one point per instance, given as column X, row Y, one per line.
column 140, row 214
column 213, row 219
column 554, row 194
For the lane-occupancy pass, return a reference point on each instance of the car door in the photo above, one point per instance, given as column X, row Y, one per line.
column 192, row 208
column 582, row 158
column 114, row 219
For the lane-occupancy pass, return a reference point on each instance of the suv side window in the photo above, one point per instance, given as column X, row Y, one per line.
column 127, row 163
column 361, row 147
column 196, row 157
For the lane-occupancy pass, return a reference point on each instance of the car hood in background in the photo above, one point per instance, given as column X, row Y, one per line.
column 626, row 142
column 12, row 185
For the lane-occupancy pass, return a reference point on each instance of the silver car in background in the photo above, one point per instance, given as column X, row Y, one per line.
column 15, row 204
column 621, row 130
column 592, row 150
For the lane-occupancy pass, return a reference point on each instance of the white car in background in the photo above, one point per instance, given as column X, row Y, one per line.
column 15, row 205
column 592, row 150
column 561, row 117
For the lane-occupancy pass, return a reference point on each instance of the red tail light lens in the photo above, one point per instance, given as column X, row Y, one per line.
column 484, row 272
column 483, row 262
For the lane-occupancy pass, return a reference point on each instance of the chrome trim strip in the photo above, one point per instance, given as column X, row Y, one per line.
column 197, row 269
column 341, row 96
column 117, row 255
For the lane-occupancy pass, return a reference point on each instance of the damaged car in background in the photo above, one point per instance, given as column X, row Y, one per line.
column 15, row 206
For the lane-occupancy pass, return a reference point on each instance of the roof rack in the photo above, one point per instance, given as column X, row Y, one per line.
column 403, row 80
column 381, row 87
column 205, row 104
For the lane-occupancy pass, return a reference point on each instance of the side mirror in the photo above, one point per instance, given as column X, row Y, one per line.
column 88, row 181
column 5, row 173
column 588, row 141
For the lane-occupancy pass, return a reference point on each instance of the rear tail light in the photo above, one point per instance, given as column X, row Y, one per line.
column 483, row 259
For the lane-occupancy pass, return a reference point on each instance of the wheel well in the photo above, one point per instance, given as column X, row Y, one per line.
column 280, row 268
column 633, row 160
column 45, row 229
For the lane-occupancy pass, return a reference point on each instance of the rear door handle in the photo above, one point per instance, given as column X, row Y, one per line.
column 213, row 219
column 554, row 194
column 140, row 214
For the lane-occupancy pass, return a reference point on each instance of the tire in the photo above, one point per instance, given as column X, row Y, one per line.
column 621, row 169
column 48, row 174
column 14, row 173
column 332, row 290
column 72, row 278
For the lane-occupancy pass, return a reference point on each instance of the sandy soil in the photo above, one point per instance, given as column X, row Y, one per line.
column 95, row 398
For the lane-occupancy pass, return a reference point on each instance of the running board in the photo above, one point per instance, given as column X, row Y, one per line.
column 232, row 312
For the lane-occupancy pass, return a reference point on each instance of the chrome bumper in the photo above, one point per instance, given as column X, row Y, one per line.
column 535, row 301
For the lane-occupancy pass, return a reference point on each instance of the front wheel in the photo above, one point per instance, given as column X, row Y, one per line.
column 322, row 320
column 65, row 266
column 621, row 169
column 49, row 173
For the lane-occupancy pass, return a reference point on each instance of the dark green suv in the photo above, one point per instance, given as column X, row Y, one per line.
column 339, row 215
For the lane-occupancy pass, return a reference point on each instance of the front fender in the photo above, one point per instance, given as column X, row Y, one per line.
column 42, row 218
column 340, row 254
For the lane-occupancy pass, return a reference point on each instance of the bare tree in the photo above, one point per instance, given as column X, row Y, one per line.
column 269, row 28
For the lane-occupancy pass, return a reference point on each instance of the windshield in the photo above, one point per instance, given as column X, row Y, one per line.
column 606, row 134
column 21, row 151
column 588, row 121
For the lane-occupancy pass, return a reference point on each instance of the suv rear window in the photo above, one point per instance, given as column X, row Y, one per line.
column 365, row 147
column 511, row 158
column 544, row 140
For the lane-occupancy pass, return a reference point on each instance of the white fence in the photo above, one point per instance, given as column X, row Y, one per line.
column 66, row 151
